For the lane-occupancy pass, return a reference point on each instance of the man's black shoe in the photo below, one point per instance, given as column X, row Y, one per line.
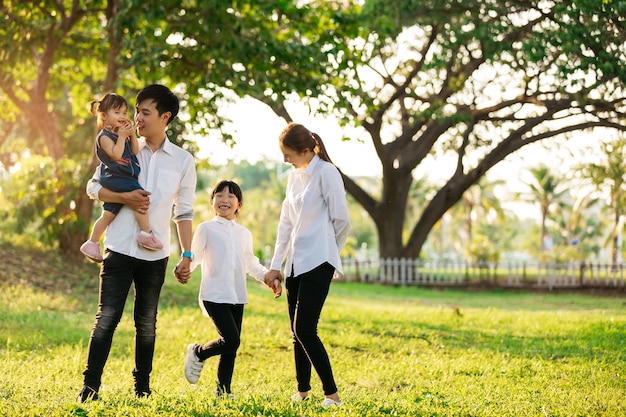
column 87, row 393
column 143, row 393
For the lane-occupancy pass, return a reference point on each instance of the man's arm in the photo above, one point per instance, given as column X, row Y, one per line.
column 138, row 200
column 182, row 271
column 183, row 217
column 184, row 234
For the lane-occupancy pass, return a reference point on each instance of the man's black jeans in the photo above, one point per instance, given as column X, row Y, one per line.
column 117, row 274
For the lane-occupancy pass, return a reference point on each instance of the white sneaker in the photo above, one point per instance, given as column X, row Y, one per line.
column 297, row 397
column 329, row 402
column 193, row 365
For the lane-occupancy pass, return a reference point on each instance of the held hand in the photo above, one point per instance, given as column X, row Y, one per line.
column 273, row 279
column 182, row 271
column 277, row 288
column 138, row 200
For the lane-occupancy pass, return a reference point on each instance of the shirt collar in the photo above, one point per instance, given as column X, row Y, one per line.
column 222, row 220
column 166, row 146
column 310, row 168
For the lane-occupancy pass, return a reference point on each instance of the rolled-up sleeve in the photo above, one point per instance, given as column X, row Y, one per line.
column 93, row 186
column 183, row 204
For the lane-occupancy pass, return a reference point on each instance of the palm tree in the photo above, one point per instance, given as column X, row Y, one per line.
column 609, row 176
column 580, row 224
column 481, row 199
column 546, row 190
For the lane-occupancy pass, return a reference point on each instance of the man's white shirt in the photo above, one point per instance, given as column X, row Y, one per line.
column 170, row 175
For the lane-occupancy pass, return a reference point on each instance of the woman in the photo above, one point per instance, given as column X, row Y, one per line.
column 313, row 227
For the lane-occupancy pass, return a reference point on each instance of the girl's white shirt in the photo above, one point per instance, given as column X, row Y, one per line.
column 314, row 220
column 223, row 249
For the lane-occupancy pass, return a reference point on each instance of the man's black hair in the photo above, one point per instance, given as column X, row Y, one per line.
column 164, row 98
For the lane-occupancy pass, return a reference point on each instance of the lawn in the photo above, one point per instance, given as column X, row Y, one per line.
column 396, row 352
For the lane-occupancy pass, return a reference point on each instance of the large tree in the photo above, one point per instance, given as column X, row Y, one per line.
column 477, row 79
column 56, row 56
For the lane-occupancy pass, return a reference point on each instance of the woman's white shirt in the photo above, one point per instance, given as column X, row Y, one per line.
column 223, row 249
column 314, row 220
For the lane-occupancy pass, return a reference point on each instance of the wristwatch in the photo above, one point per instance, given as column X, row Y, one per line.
column 188, row 255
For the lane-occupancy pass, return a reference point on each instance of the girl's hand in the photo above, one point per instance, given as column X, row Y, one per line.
column 182, row 271
column 273, row 279
column 127, row 129
column 277, row 287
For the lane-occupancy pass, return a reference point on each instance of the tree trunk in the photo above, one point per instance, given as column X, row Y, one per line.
column 390, row 213
column 74, row 235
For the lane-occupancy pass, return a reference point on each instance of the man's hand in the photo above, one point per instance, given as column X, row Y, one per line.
column 138, row 200
column 273, row 279
column 182, row 271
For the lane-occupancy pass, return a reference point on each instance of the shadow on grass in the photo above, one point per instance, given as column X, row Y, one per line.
column 598, row 340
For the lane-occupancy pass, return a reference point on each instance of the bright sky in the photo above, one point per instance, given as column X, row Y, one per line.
column 256, row 135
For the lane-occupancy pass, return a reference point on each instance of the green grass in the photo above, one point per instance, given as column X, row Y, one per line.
column 395, row 352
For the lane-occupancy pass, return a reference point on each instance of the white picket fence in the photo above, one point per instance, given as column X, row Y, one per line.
column 402, row 271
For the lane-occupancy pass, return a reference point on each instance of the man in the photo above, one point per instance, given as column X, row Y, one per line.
column 168, row 177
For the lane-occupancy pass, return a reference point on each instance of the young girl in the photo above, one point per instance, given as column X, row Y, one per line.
column 223, row 248
column 116, row 148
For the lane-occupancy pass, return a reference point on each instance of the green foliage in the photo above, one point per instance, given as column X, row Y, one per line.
column 39, row 197
column 563, row 254
column 607, row 177
column 75, row 50
column 440, row 75
column 482, row 251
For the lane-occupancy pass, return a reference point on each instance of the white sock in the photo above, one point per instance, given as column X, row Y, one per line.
column 146, row 233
